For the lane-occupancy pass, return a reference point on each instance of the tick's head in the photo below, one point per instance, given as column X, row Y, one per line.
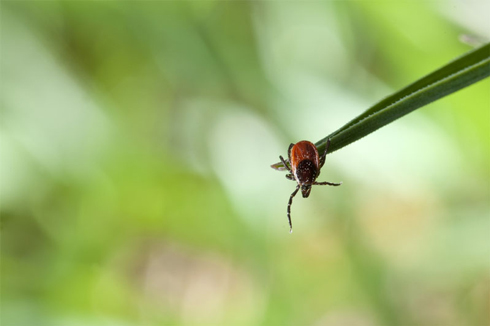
column 305, row 190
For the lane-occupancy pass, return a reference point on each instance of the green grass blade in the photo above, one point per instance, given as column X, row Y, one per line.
column 464, row 71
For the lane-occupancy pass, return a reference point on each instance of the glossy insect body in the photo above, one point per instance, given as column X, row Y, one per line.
column 304, row 167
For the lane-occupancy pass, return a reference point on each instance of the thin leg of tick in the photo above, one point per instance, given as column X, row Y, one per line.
column 327, row 183
column 289, row 209
column 322, row 158
column 290, row 177
column 289, row 151
column 285, row 164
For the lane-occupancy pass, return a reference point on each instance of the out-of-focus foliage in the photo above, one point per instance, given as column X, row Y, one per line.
column 136, row 139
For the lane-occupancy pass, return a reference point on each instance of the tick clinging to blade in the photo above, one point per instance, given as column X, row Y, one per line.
column 304, row 167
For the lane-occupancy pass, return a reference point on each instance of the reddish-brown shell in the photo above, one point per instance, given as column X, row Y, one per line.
column 304, row 150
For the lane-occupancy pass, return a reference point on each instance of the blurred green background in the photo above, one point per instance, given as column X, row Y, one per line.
column 136, row 143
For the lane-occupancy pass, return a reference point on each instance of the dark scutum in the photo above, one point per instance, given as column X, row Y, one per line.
column 306, row 171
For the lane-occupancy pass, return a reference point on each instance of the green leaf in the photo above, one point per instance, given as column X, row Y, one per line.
column 464, row 71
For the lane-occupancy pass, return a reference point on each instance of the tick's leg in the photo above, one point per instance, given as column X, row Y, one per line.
column 289, row 158
column 289, row 209
column 289, row 151
column 290, row 176
column 322, row 158
column 285, row 164
column 327, row 183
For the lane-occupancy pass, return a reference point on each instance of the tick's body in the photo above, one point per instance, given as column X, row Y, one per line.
column 304, row 167
column 305, row 162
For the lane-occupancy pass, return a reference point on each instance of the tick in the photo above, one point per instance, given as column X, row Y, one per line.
column 304, row 168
